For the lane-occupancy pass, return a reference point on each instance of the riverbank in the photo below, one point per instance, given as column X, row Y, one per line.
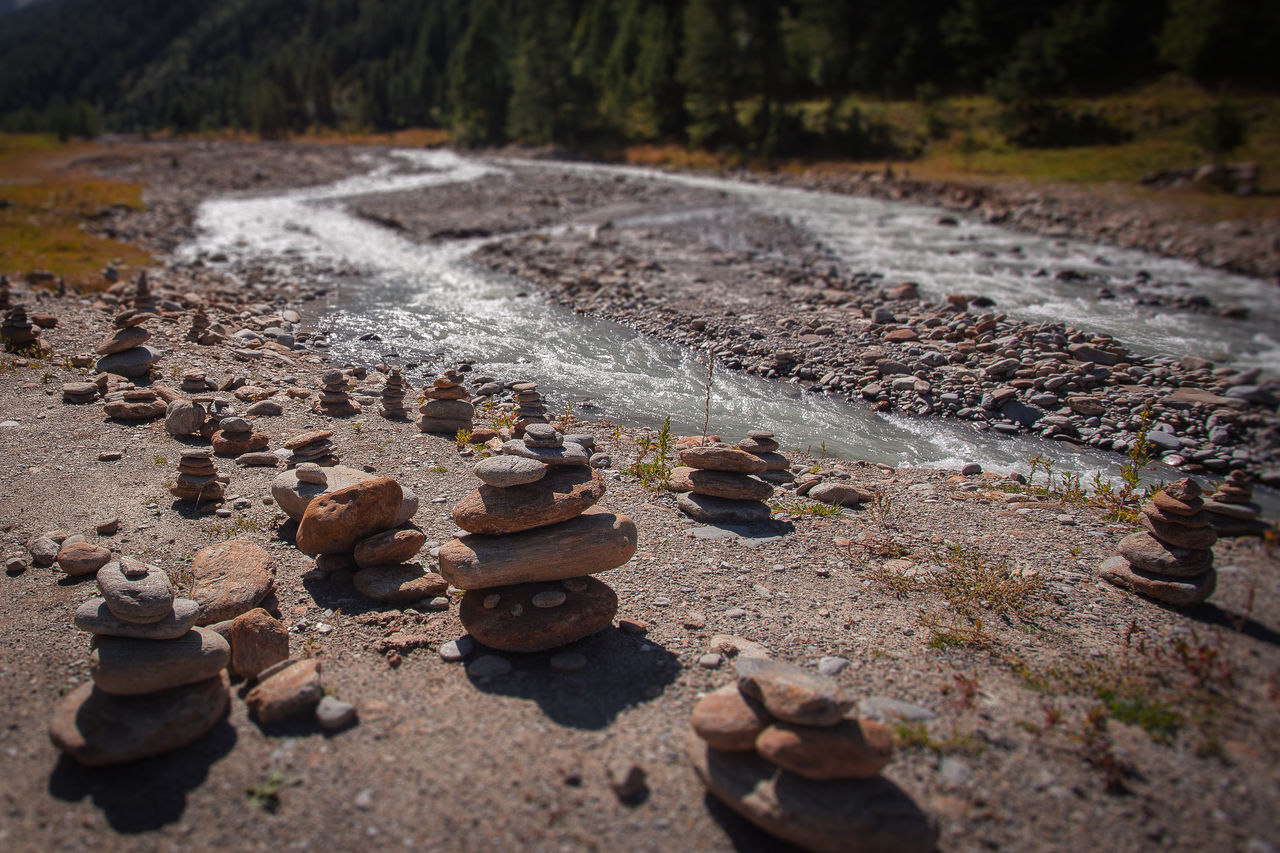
column 964, row 611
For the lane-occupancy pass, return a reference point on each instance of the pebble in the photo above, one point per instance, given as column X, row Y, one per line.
column 710, row 660
column 831, row 666
column 332, row 713
column 455, row 650
column 488, row 666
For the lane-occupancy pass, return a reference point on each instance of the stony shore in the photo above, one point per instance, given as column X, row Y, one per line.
column 964, row 611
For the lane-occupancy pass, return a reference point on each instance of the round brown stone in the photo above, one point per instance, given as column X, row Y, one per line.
column 720, row 484
column 290, row 691
column 1169, row 504
column 389, row 546
column 1154, row 511
column 82, row 558
column 128, row 667
column 563, row 493
column 333, row 523
column 231, row 578
column 507, row 618
column 233, row 444
column 726, row 719
column 258, row 640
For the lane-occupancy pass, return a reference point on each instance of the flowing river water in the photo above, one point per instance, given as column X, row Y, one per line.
column 427, row 304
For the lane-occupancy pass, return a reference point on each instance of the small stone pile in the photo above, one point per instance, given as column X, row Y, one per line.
column 717, row 484
column 195, row 382
column 1231, row 509
column 529, row 406
column 236, row 436
column 762, row 444
column 143, row 299
column 79, row 392
column 356, row 527
column 202, row 331
column 17, row 330
column 1171, row 559
column 393, row 394
column 158, row 681
column 126, row 353
column 137, row 404
column 778, row 749
column 198, row 479
column 448, row 407
column 533, row 541
column 334, row 401
column 315, row 446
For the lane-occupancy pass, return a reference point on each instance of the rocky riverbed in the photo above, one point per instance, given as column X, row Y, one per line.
column 963, row 611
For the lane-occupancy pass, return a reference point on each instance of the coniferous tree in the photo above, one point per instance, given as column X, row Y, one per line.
column 478, row 81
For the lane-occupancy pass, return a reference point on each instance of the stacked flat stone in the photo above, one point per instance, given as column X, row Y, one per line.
column 718, row 484
column 1171, row 558
column 125, row 352
column 157, row 680
column 198, row 479
column 195, row 382
column 393, row 394
column 533, row 541
column 334, row 400
column 315, row 446
column 448, row 407
column 779, row 749
column 1231, row 509
column 137, row 404
column 79, row 392
column 202, row 331
column 143, row 299
column 761, row 443
column 236, row 436
column 17, row 330
column 529, row 406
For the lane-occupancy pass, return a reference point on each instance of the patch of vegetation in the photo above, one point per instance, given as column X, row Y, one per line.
column 266, row 794
column 654, row 471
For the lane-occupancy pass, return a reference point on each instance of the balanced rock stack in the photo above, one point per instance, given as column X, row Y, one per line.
column 143, row 299
column 717, row 484
column 315, row 446
column 195, row 382
column 137, row 404
column 198, row 479
column 202, row 331
column 448, row 407
column 79, row 392
column 1231, row 509
column 533, row 540
column 126, row 353
column 762, row 444
column 236, row 436
column 17, row 331
column 393, row 394
column 778, row 749
column 334, row 400
column 158, row 681
column 294, row 490
column 356, row 527
column 529, row 406
column 1171, row 559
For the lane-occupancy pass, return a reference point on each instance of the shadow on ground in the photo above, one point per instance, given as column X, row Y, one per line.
column 143, row 795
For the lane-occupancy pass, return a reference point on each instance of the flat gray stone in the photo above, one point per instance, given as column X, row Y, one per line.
column 95, row 617
column 132, row 363
column 505, row 471
column 136, row 592
column 888, row 709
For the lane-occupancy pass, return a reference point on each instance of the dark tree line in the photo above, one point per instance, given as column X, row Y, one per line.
column 714, row 73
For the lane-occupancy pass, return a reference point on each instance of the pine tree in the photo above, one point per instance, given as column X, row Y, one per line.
column 478, row 81
column 707, row 70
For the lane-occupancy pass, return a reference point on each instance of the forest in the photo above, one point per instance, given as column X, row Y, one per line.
column 747, row 75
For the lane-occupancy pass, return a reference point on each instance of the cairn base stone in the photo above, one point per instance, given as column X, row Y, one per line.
column 1176, row 592
column 533, row 617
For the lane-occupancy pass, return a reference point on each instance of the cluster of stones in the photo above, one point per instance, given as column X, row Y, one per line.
column 198, row 478
column 533, row 541
column 17, row 330
column 135, row 404
column 779, row 748
column 236, row 436
column 202, row 330
column 1171, row 558
column 195, row 381
column 157, row 680
column 448, row 406
column 334, row 401
column 125, row 353
column 143, row 299
column 1231, row 509
column 294, row 490
column 529, row 406
column 718, row 483
column 358, row 529
column 393, row 394
column 315, row 447
column 79, row 392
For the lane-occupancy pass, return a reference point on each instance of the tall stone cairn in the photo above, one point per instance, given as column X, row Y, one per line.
column 143, row 299
column 198, row 478
column 125, row 352
column 780, row 749
column 718, row 483
column 17, row 330
column 534, row 539
column 393, row 394
column 334, row 401
column 157, row 680
column 1171, row 558
column 529, row 406
column 448, row 406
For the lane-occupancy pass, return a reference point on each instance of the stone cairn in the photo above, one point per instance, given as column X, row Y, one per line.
column 201, row 331
column 779, row 749
column 448, row 407
column 158, row 681
column 718, row 484
column 1231, row 509
column 359, row 528
column 334, row 401
column 143, row 299
column 125, row 353
column 529, row 406
column 79, row 392
column 17, row 330
column 198, row 478
column 393, row 394
column 1171, row 558
column 235, row 436
column 762, row 444
column 315, row 446
column 195, row 382
column 136, row 404
column 533, row 540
